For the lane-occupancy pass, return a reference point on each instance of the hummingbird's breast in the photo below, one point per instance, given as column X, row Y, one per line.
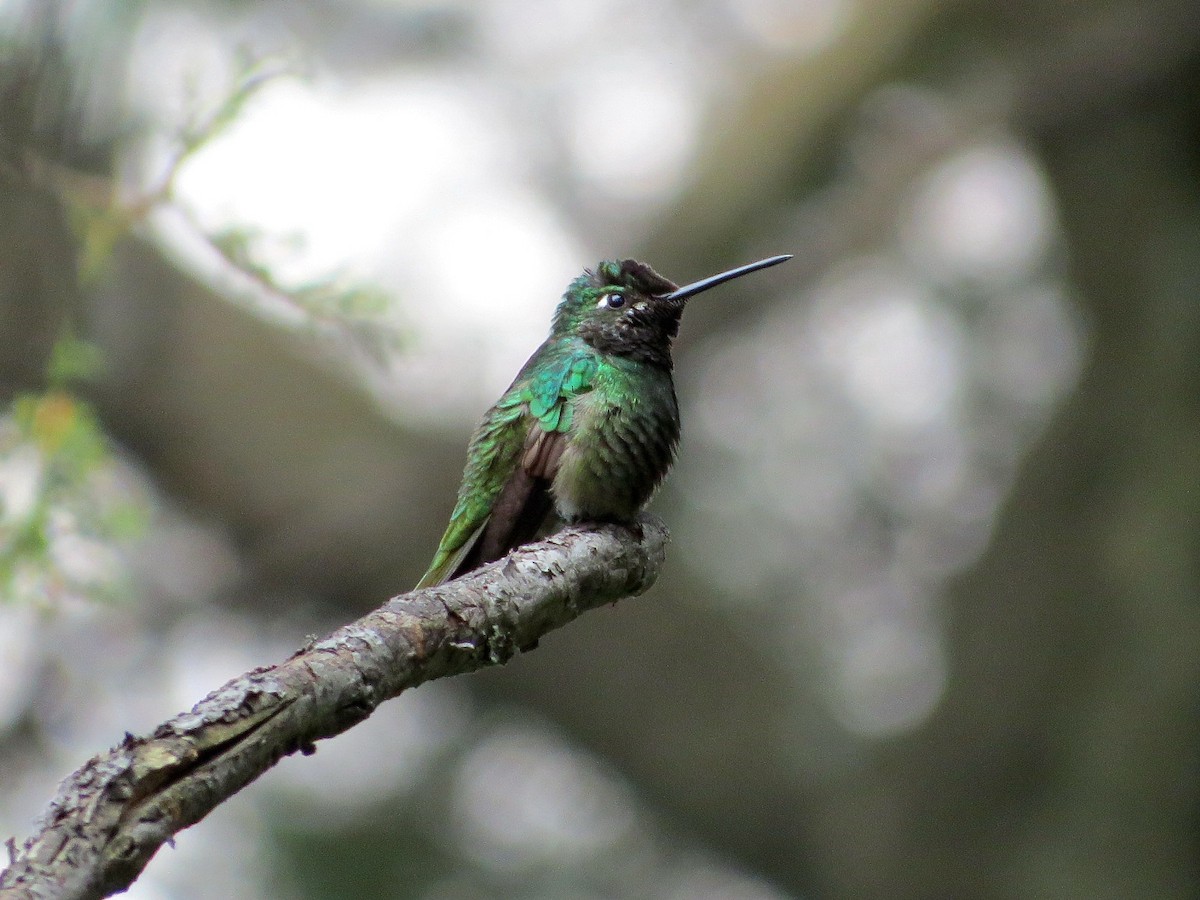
column 621, row 443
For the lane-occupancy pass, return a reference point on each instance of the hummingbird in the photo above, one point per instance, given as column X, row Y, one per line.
column 588, row 428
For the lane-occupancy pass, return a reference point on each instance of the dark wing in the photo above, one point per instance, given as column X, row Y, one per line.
column 505, row 495
column 493, row 456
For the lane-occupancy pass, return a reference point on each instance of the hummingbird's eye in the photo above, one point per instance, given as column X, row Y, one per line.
column 612, row 301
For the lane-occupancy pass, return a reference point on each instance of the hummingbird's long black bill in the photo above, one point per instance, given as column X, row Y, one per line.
column 696, row 287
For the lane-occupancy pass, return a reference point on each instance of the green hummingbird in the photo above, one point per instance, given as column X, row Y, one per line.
column 589, row 426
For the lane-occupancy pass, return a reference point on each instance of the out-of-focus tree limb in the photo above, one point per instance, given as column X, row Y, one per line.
column 112, row 815
column 769, row 132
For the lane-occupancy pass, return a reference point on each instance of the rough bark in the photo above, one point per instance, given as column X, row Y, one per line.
column 111, row 816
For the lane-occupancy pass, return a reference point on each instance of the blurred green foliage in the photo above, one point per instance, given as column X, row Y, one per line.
column 60, row 469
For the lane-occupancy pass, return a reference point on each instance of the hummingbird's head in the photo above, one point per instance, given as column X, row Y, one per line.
column 626, row 308
column 620, row 307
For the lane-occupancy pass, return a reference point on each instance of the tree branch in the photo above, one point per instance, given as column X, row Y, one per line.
column 111, row 816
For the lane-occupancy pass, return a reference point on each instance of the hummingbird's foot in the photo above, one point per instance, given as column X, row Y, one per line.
column 634, row 525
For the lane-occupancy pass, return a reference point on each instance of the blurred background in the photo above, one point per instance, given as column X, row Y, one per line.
column 929, row 622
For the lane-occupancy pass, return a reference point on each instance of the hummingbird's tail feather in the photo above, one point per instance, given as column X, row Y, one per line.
column 447, row 566
column 519, row 512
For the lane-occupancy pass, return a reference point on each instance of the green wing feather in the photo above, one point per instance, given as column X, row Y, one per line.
column 554, row 386
column 491, row 458
column 540, row 394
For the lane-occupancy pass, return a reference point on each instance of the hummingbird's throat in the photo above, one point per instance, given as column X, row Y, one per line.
column 643, row 334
